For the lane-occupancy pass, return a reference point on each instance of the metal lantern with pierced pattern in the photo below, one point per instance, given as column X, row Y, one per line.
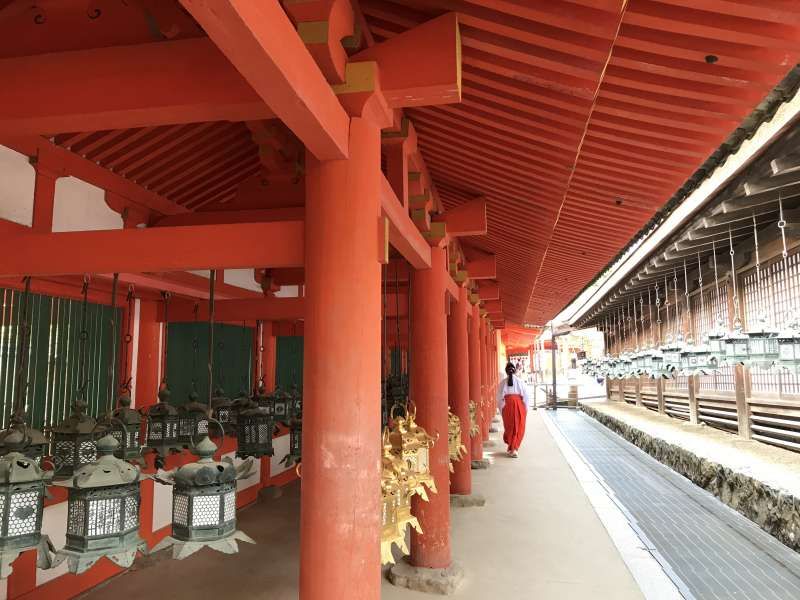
column 255, row 426
column 222, row 411
column 762, row 344
column 22, row 491
column 204, row 503
column 126, row 426
column 36, row 444
column 671, row 351
column 295, row 428
column 789, row 347
column 736, row 345
column 102, row 512
column 162, row 425
column 455, row 448
column 192, row 420
column 75, row 441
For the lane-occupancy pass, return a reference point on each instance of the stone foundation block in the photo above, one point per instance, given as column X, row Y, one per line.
column 466, row 500
column 444, row 582
column 480, row 464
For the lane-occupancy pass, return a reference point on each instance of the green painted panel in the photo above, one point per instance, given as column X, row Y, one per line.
column 187, row 360
column 289, row 361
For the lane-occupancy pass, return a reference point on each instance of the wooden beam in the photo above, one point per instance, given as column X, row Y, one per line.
column 260, row 41
column 489, row 291
column 466, row 219
column 482, row 268
column 220, row 217
column 403, row 233
column 249, row 309
column 65, row 163
column 421, row 66
column 182, row 284
column 120, row 87
column 153, row 249
column 494, row 306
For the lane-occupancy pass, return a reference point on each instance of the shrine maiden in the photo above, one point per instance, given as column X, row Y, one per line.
column 513, row 402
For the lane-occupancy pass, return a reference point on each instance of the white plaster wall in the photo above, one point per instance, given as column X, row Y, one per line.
column 288, row 291
column 162, row 505
column 17, row 179
column 281, row 446
column 242, row 278
column 82, row 207
column 54, row 524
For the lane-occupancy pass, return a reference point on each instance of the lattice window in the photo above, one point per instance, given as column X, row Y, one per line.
column 104, row 516
column 706, row 312
column 230, row 507
column 76, row 518
column 205, row 511
column 131, row 513
column 180, row 509
column 23, row 513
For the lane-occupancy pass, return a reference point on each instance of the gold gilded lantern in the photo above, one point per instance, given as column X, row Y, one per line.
column 412, row 444
column 456, row 449
column 473, row 420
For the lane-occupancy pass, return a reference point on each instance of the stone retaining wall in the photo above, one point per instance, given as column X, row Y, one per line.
column 775, row 511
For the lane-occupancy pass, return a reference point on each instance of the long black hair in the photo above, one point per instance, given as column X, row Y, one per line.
column 510, row 370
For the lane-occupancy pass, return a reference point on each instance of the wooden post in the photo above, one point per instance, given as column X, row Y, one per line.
column 622, row 391
column 639, row 391
column 692, row 386
column 742, row 408
column 660, row 396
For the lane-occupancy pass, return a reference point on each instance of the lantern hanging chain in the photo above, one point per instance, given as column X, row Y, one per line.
column 717, row 301
column 112, row 358
column 125, row 383
column 635, row 324
column 700, row 285
column 195, row 347
column 688, row 327
column 246, row 360
column 675, row 289
column 166, row 297
column 212, row 278
column 666, row 304
column 759, row 289
column 641, row 312
column 385, row 344
column 260, row 354
column 650, row 316
column 83, row 337
column 21, row 387
column 736, row 318
column 790, row 299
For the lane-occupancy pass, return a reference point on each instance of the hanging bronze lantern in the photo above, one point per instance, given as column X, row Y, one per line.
column 736, row 348
column 74, row 441
column 762, row 344
column 36, row 445
column 126, row 426
column 162, row 425
column 192, row 420
column 281, row 401
column 240, row 403
column 222, row 411
column 103, row 512
column 23, row 486
column 412, row 444
column 295, row 415
column 473, row 420
column 204, row 503
column 255, row 427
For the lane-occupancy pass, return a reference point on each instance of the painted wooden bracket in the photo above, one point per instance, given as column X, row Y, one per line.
column 437, row 235
column 421, row 66
column 489, row 291
column 483, row 268
column 361, row 94
column 474, row 299
column 466, row 219
column 322, row 25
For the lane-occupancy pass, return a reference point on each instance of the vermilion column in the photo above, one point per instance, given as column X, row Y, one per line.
column 485, row 382
column 428, row 389
column 475, row 392
column 340, row 506
column 458, row 386
column 145, row 378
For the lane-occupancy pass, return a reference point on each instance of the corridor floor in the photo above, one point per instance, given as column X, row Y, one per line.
column 538, row 537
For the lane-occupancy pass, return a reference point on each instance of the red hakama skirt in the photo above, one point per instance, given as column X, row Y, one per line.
column 514, row 414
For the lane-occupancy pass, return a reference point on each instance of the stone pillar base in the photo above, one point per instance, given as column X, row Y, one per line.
column 480, row 464
column 432, row 581
column 466, row 500
column 493, row 429
column 496, row 420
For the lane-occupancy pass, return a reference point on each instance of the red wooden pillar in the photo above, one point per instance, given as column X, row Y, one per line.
column 147, row 361
column 486, row 383
column 428, row 389
column 475, row 392
column 458, row 386
column 340, row 505
column 44, row 192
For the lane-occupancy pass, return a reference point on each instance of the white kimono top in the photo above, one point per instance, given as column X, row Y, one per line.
column 517, row 386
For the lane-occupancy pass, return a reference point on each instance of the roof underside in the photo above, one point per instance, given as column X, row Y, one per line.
column 580, row 119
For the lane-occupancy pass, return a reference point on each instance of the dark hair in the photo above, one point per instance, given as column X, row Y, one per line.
column 510, row 370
